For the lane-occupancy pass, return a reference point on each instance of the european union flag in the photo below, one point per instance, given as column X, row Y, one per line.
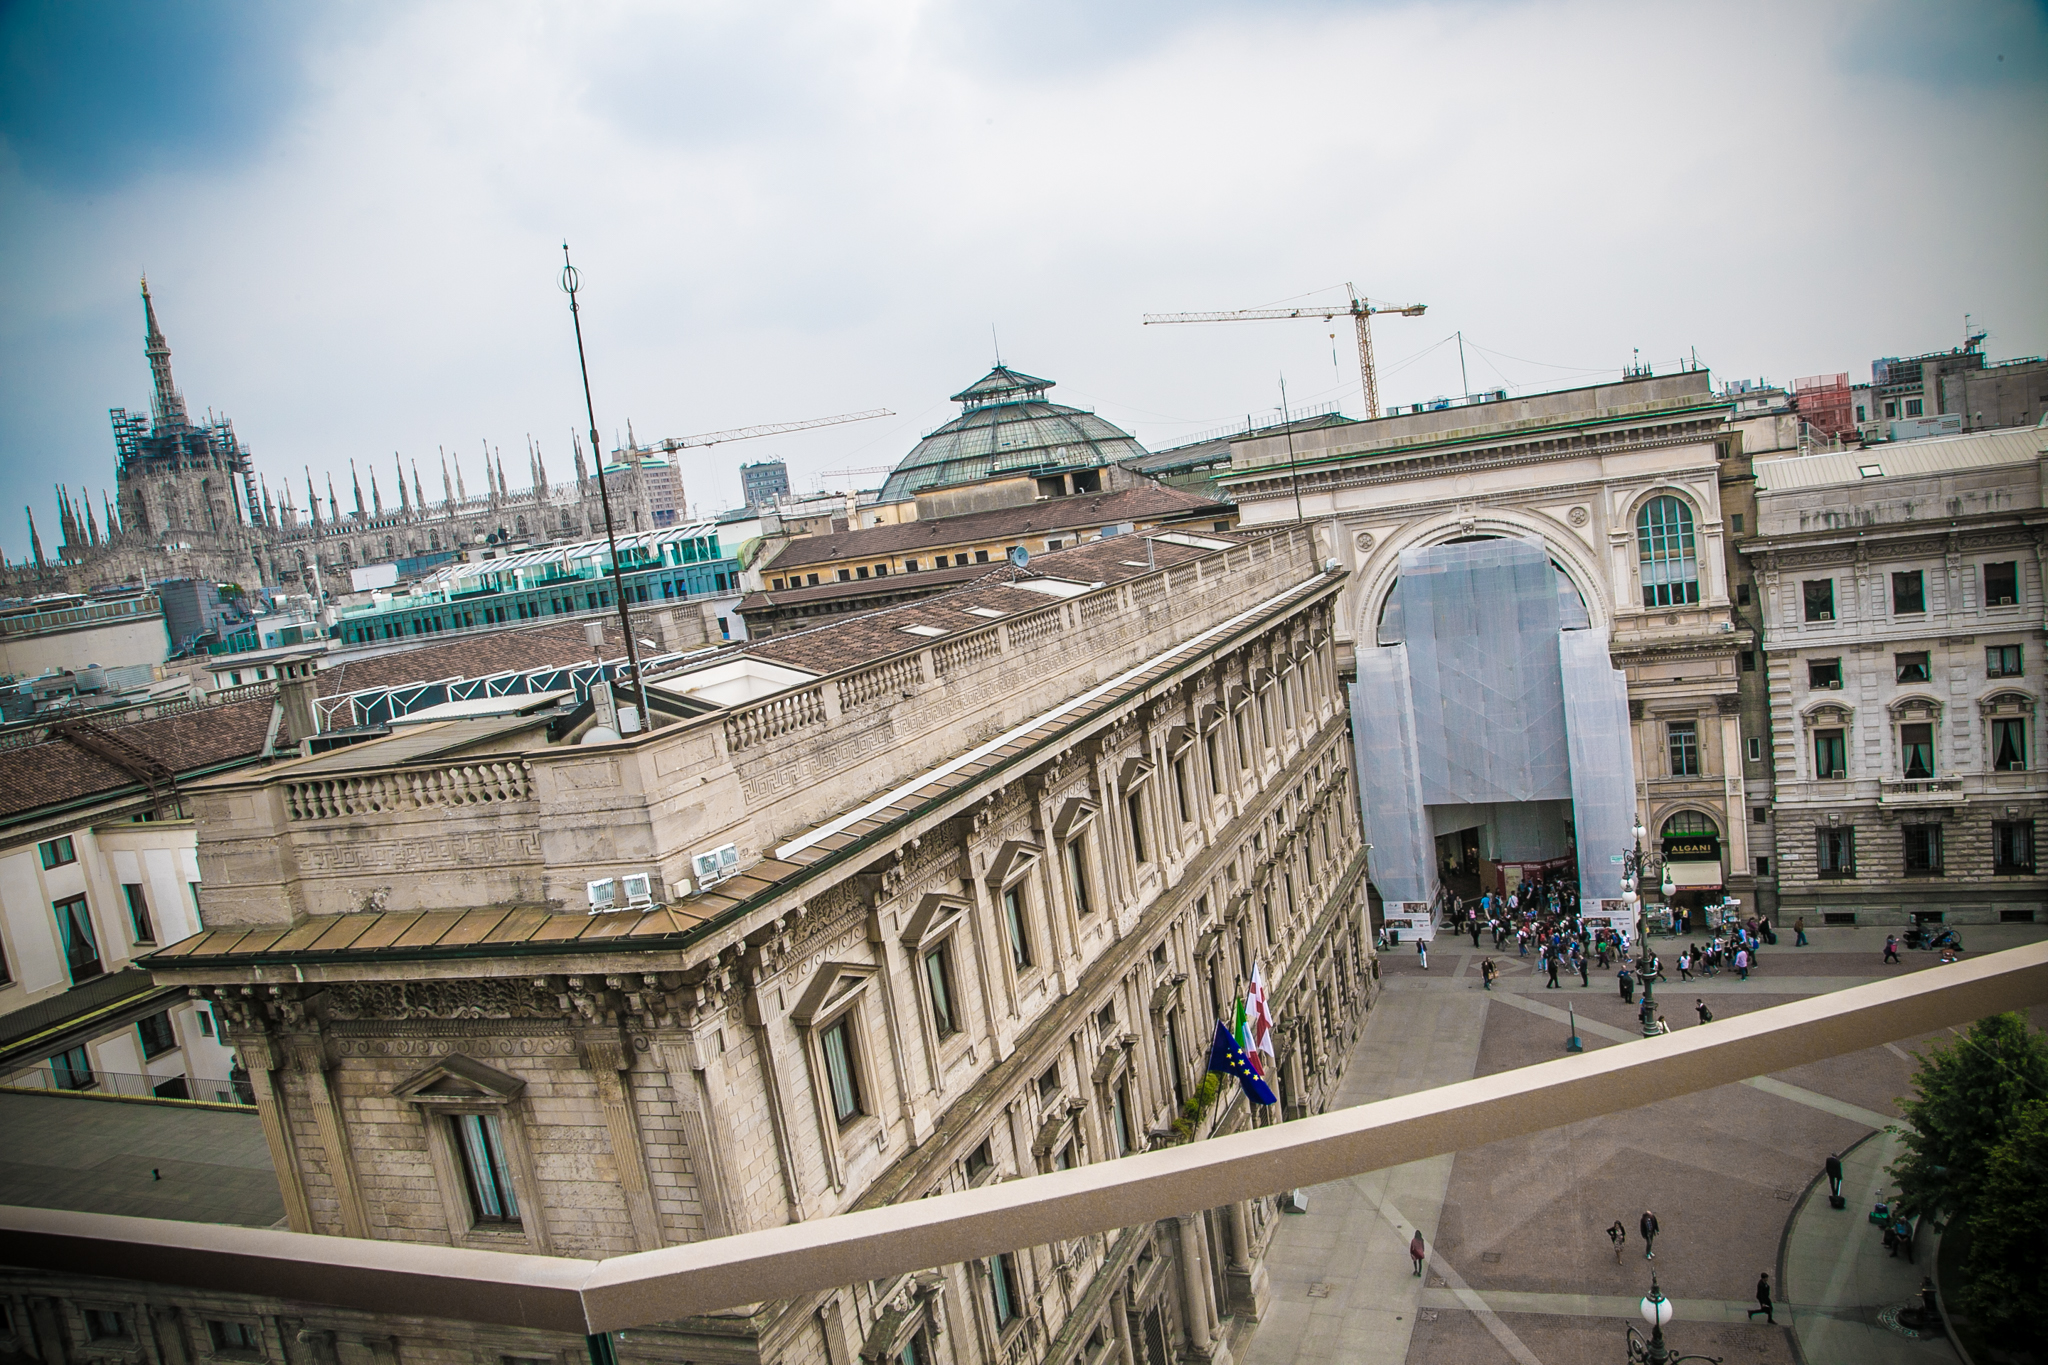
column 1227, row 1057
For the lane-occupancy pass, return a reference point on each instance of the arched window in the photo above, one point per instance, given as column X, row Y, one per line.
column 1664, row 545
column 1690, row 822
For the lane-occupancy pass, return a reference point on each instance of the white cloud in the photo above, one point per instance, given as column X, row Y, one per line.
column 782, row 214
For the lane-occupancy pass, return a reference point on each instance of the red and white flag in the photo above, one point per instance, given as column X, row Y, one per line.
column 1259, row 1020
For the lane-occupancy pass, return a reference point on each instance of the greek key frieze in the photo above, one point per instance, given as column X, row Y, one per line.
column 431, row 853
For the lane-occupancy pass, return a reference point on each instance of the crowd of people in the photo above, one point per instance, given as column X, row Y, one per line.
column 1542, row 918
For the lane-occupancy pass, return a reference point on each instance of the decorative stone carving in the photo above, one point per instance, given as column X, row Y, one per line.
column 1364, row 541
column 1578, row 516
column 493, row 998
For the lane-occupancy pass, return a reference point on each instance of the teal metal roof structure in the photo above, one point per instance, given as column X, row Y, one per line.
column 1007, row 428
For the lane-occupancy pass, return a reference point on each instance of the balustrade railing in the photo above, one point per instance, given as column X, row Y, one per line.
column 773, row 718
column 406, row 789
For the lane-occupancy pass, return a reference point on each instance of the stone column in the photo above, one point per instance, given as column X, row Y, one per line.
column 606, row 1060
column 309, row 1057
column 1251, row 1290
column 693, row 1120
column 1194, row 1288
column 260, row 1055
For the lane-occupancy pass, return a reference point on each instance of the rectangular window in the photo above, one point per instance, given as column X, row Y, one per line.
column 158, row 1037
column 1682, row 737
column 1915, row 407
column 1736, row 523
column 104, row 1324
column 233, row 1337
column 938, row 979
column 1749, row 661
column 981, row 556
column 1003, row 1289
column 1013, row 915
column 1820, row 598
column 1891, row 409
column 1909, row 593
column 1174, row 1061
column 1759, row 815
column 1049, row 1084
column 2002, row 661
column 1119, row 1120
column 1922, row 848
column 1912, row 667
column 2012, row 846
column 1215, row 764
column 1830, row 754
column 1824, row 673
column 1134, row 806
column 2002, row 583
column 1916, row 751
column 138, row 912
column 205, row 1018
column 1756, row 749
column 57, row 853
column 1180, row 789
column 1763, row 867
column 1742, row 594
column 81, row 947
column 837, row 1043
column 1077, row 878
column 479, row 1140
column 71, row 1070
column 1836, row 856
column 2009, row 745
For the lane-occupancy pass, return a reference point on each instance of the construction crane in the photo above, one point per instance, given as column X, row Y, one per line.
column 712, row 438
column 1360, row 309
column 856, row 473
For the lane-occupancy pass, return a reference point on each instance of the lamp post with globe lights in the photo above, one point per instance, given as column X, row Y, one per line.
column 1656, row 1310
column 1635, row 864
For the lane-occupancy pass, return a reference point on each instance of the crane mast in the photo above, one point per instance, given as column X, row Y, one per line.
column 1360, row 310
column 712, row 438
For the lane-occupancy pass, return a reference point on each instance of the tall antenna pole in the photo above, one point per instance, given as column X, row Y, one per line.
column 1287, row 424
column 571, row 282
column 1463, row 378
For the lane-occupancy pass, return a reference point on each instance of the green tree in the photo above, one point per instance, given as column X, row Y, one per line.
column 1969, row 1095
column 2005, row 1274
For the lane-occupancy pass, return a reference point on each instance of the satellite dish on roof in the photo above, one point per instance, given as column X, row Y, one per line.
column 1019, row 556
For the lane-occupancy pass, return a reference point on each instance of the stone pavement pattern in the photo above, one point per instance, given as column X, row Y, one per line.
column 96, row 1156
column 1521, row 1269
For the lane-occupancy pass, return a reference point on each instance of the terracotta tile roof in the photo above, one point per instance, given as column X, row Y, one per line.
column 1034, row 518
column 471, row 656
column 930, row 580
column 58, row 771
column 849, row 641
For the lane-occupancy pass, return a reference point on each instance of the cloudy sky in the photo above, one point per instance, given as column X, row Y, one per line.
column 352, row 216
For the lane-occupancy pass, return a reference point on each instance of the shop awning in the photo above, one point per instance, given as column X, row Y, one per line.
column 1694, row 876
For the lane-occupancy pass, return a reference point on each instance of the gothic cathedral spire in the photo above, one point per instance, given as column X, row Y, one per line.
column 168, row 405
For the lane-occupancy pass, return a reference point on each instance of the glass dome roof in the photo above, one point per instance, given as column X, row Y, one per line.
column 1006, row 427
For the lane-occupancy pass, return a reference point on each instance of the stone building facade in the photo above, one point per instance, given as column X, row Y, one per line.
column 1623, row 484
column 983, row 870
column 1901, row 592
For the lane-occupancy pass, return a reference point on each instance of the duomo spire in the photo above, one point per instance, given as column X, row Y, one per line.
column 168, row 405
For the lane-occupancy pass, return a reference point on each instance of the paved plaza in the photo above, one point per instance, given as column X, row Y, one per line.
column 143, row 1160
column 1520, row 1267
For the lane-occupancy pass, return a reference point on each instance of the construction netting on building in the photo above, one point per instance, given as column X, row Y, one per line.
column 1823, row 402
column 1465, row 714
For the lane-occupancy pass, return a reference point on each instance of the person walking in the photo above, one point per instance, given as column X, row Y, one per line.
column 1763, row 1300
column 1552, row 955
column 1891, row 948
column 1422, row 951
column 1834, row 1170
column 1648, row 1227
column 1742, row 963
column 1417, row 1252
column 1663, row 1024
column 1473, row 925
column 1617, row 1234
column 1584, row 980
column 1628, row 985
column 1685, row 966
column 1799, row 928
column 1486, row 973
column 1706, row 1015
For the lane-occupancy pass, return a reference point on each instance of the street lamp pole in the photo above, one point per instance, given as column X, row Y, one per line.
column 1656, row 1310
column 1633, row 870
column 571, row 282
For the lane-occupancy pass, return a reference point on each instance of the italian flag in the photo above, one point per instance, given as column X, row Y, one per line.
column 1253, row 1026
